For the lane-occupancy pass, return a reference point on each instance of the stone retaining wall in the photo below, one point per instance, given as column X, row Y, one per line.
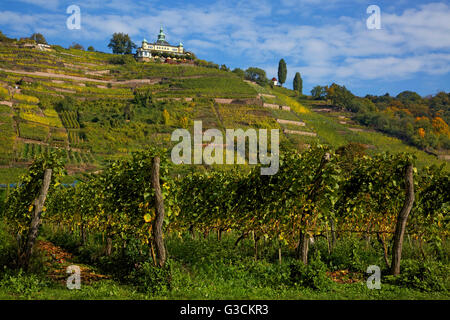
column 303, row 133
column 295, row 123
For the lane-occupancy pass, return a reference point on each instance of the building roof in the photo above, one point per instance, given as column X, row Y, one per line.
column 274, row 79
column 163, row 42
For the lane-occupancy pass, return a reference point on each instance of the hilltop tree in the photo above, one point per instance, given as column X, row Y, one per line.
column 298, row 83
column 257, row 75
column 408, row 96
column 121, row 43
column 340, row 96
column 4, row 38
column 76, row 46
column 319, row 92
column 224, row 68
column 239, row 72
column 91, row 49
column 39, row 38
column 282, row 72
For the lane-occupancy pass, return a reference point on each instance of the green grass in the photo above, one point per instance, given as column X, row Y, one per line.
column 7, row 138
column 58, row 135
column 33, row 131
column 4, row 109
column 226, row 86
column 50, row 118
column 25, row 98
column 11, row 175
column 211, row 269
column 4, row 94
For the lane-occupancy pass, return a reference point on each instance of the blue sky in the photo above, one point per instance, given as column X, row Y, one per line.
column 325, row 40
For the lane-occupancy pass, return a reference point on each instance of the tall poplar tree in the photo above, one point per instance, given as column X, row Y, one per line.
column 282, row 71
column 298, row 83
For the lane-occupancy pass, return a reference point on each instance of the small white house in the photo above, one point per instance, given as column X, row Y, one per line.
column 274, row 81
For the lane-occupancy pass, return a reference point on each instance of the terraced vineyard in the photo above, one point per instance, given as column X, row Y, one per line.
column 94, row 110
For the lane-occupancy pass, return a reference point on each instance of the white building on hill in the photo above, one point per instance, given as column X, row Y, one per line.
column 161, row 45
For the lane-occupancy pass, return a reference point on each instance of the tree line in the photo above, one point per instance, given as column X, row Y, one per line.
column 419, row 121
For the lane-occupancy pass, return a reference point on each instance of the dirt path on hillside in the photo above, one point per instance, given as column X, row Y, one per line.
column 112, row 81
column 58, row 260
column 64, row 76
column 344, row 276
column 54, row 75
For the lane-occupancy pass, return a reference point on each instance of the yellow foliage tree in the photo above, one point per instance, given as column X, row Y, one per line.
column 184, row 122
column 440, row 126
column 421, row 132
column 166, row 117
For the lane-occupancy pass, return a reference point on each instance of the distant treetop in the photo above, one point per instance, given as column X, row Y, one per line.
column 39, row 38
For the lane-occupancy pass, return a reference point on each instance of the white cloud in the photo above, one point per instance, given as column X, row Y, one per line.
column 415, row 40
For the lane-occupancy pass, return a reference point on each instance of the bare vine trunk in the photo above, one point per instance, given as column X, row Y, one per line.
column 24, row 257
column 108, row 249
column 256, row 239
column 83, row 234
column 279, row 254
column 402, row 220
column 385, row 249
column 333, row 234
column 302, row 249
column 158, row 223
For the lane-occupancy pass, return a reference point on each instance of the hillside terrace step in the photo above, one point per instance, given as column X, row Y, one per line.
column 322, row 109
column 276, row 106
column 302, row 133
column 295, row 123
column 172, row 98
column 266, row 95
column 252, row 101
column 356, row 129
column 7, row 103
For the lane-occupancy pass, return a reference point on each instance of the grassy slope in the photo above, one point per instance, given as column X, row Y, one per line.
column 209, row 269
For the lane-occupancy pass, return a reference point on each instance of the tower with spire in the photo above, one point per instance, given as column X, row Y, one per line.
column 161, row 35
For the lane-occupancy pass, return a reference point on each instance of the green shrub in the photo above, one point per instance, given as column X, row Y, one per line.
column 22, row 284
column 8, row 249
column 33, row 131
column 125, row 59
column 4, row 94
column 151, row 279
column 58, row 135
column 4, row 109
column 351, row 254
column 66, row 240
column 312, row 275
column 25, row 98
column 427, row 276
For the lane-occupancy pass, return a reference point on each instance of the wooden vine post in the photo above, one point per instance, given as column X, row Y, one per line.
column 159, row 219
column 302, row 246
column 402, row 220
column 25, row 255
